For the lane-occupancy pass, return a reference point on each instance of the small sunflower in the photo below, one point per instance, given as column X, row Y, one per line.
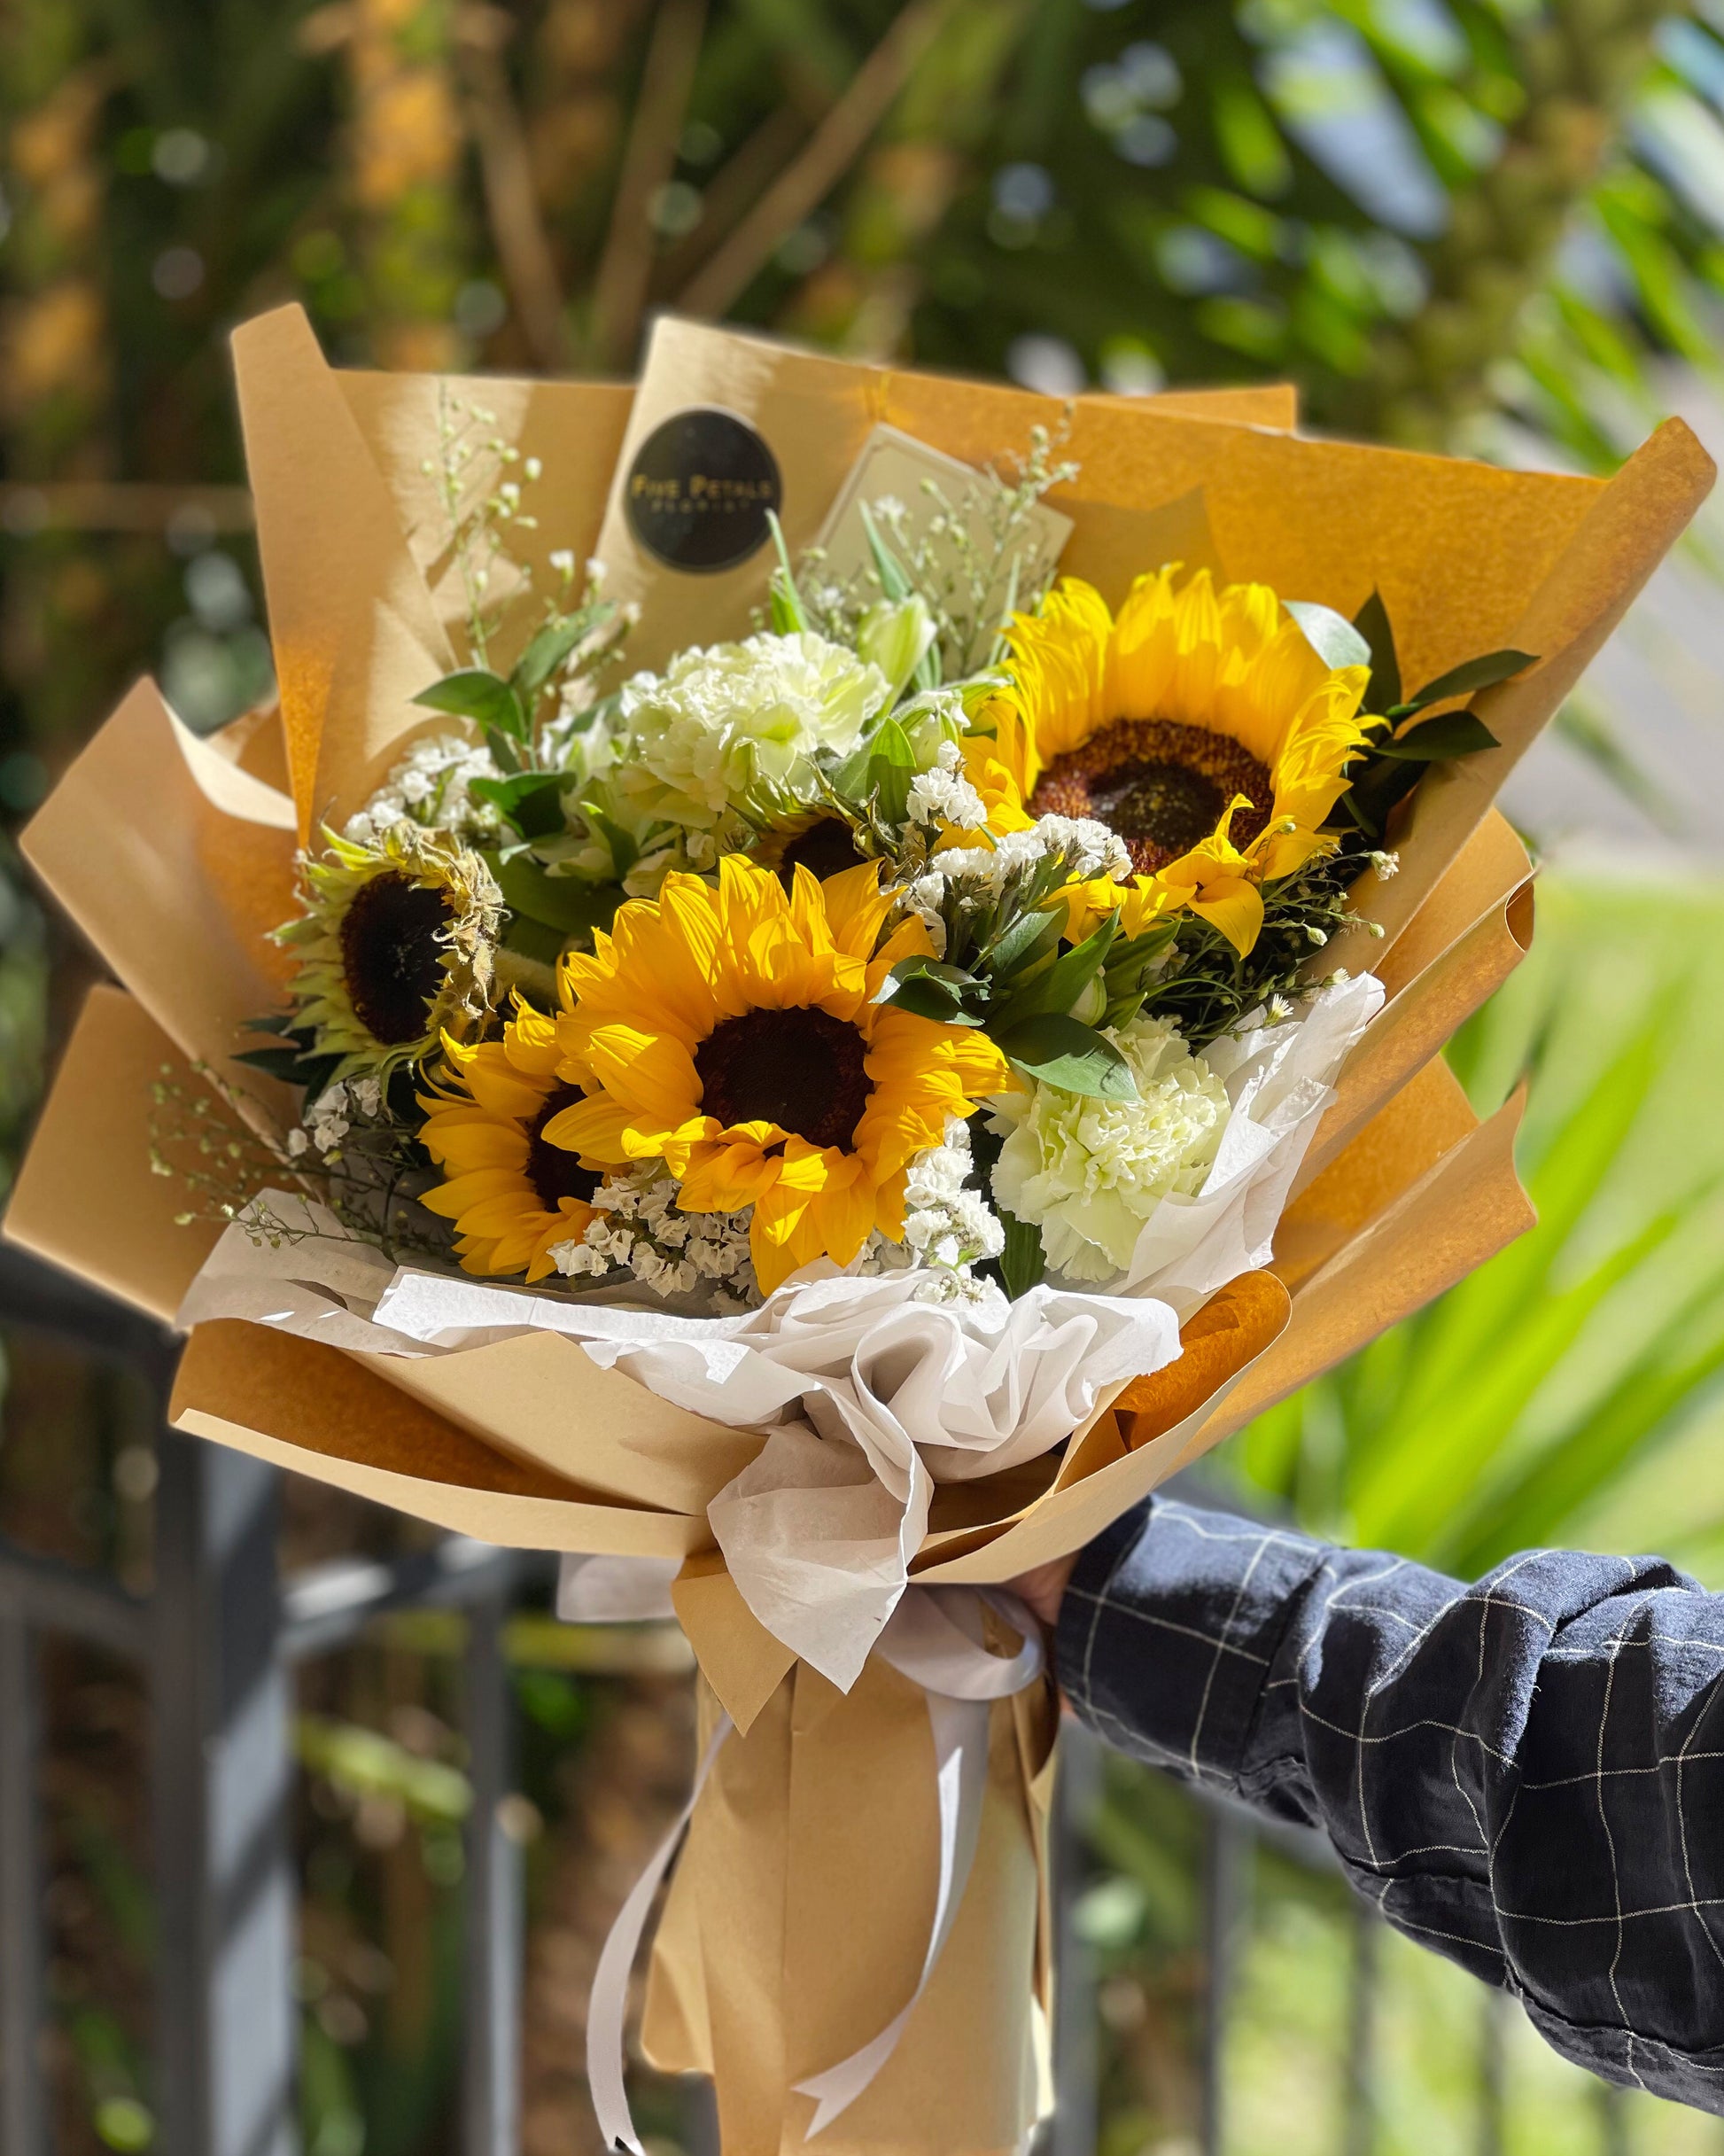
column 824, row 843
column 733, row 1034
column 511, row 1195
column 1200, row 726
column 397, row 946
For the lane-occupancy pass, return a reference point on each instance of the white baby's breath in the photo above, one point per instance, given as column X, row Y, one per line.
column 943, row 795
column 428, row 786
column 640, row 1232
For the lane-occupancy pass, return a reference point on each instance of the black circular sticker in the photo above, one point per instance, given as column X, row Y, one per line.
column 700, row 490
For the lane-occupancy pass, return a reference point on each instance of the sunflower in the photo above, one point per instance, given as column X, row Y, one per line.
column 1200, row 726
column 397, row 946
column 733, row 1034
column 511, row 1195
column 824, row 843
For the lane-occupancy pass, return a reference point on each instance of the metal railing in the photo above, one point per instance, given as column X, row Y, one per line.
column 217, row 1639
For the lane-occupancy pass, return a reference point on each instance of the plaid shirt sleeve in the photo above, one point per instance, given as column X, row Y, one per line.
column 1527, row 1775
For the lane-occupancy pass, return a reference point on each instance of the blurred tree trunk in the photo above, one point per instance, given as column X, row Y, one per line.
column 55, row 371
column 406, row 147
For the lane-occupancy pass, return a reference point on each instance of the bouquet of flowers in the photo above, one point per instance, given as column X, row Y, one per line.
column 807, row 1043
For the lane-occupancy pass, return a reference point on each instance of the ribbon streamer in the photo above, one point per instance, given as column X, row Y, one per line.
column 934, row 1637
column 608, row 2001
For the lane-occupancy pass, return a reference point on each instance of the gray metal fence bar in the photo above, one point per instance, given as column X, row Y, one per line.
column 494, row 1913
column 226, row 2022
column 1076, row 2125
column 1228, row 1866
column 218, row 1639
column 1493, row 2069
column 325, row 1606
column 1360, row 2136
column 23, row 2121
column 42, row 1592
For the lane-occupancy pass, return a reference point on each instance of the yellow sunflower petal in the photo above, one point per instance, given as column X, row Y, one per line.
column 723, row 1179
column 595, row 1128
column 650, row 1074
column 844, row 1211
column 1234, row 907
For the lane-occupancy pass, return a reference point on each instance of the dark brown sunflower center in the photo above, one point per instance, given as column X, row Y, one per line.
column 1160, row 785
column 390, row 957
column 802, row 1070
column 826, row 848
column 553, row 1173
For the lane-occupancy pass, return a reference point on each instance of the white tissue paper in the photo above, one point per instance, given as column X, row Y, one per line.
column 869, row 1396
column 1279, row 1078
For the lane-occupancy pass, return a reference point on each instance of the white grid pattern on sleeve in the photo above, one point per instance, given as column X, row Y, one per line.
column 1417, row 1719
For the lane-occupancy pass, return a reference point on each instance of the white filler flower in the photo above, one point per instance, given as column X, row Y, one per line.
column 1088, row 1173
column 717, row 721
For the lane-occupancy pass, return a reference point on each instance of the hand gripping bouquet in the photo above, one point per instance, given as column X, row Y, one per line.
column 825, row 976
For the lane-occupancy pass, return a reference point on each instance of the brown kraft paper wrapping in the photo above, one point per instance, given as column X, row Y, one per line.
column 795, row 1929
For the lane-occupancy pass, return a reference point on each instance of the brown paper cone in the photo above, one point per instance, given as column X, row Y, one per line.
column 790, row 1937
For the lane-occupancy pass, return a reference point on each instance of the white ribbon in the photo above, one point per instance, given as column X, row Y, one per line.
column 934, row 1637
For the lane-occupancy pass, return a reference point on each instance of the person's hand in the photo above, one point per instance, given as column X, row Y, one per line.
column 1043, row 1588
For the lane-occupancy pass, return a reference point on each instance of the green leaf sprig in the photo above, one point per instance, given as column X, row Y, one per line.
column 1024, row 992
column 1386, row 773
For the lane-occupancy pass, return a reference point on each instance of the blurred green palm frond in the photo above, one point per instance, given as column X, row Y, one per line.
column 1542, row 1399
column 1438, row 215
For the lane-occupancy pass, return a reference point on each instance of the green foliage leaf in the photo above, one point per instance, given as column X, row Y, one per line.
column 892, row 767
column 294, row 1060
column 624, row 850
column 1372, row 623
column 1472, row 1366
column 561, row 902
column 784, row 602
column 1059, row 986
column 1334, row 639
column 1535, row 1505
column 546, row 653
column 533, row 939
column 1030, row 937
column 1062, row 1051
column 1023, row 1261
column 1373, row 795
column 928, row 989
column 1464, row 680
column 1435, row 741
column 894, row 584
column 479, row 695
column 292, row 1067
column 532, row 801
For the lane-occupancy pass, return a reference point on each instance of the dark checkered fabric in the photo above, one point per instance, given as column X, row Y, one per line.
column 1527, row 1775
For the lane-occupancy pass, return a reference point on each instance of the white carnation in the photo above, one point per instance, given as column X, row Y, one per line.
column 1088, row 1173
column 717, row 721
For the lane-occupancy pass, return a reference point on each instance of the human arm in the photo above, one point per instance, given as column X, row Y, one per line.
column 1526, row 1776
